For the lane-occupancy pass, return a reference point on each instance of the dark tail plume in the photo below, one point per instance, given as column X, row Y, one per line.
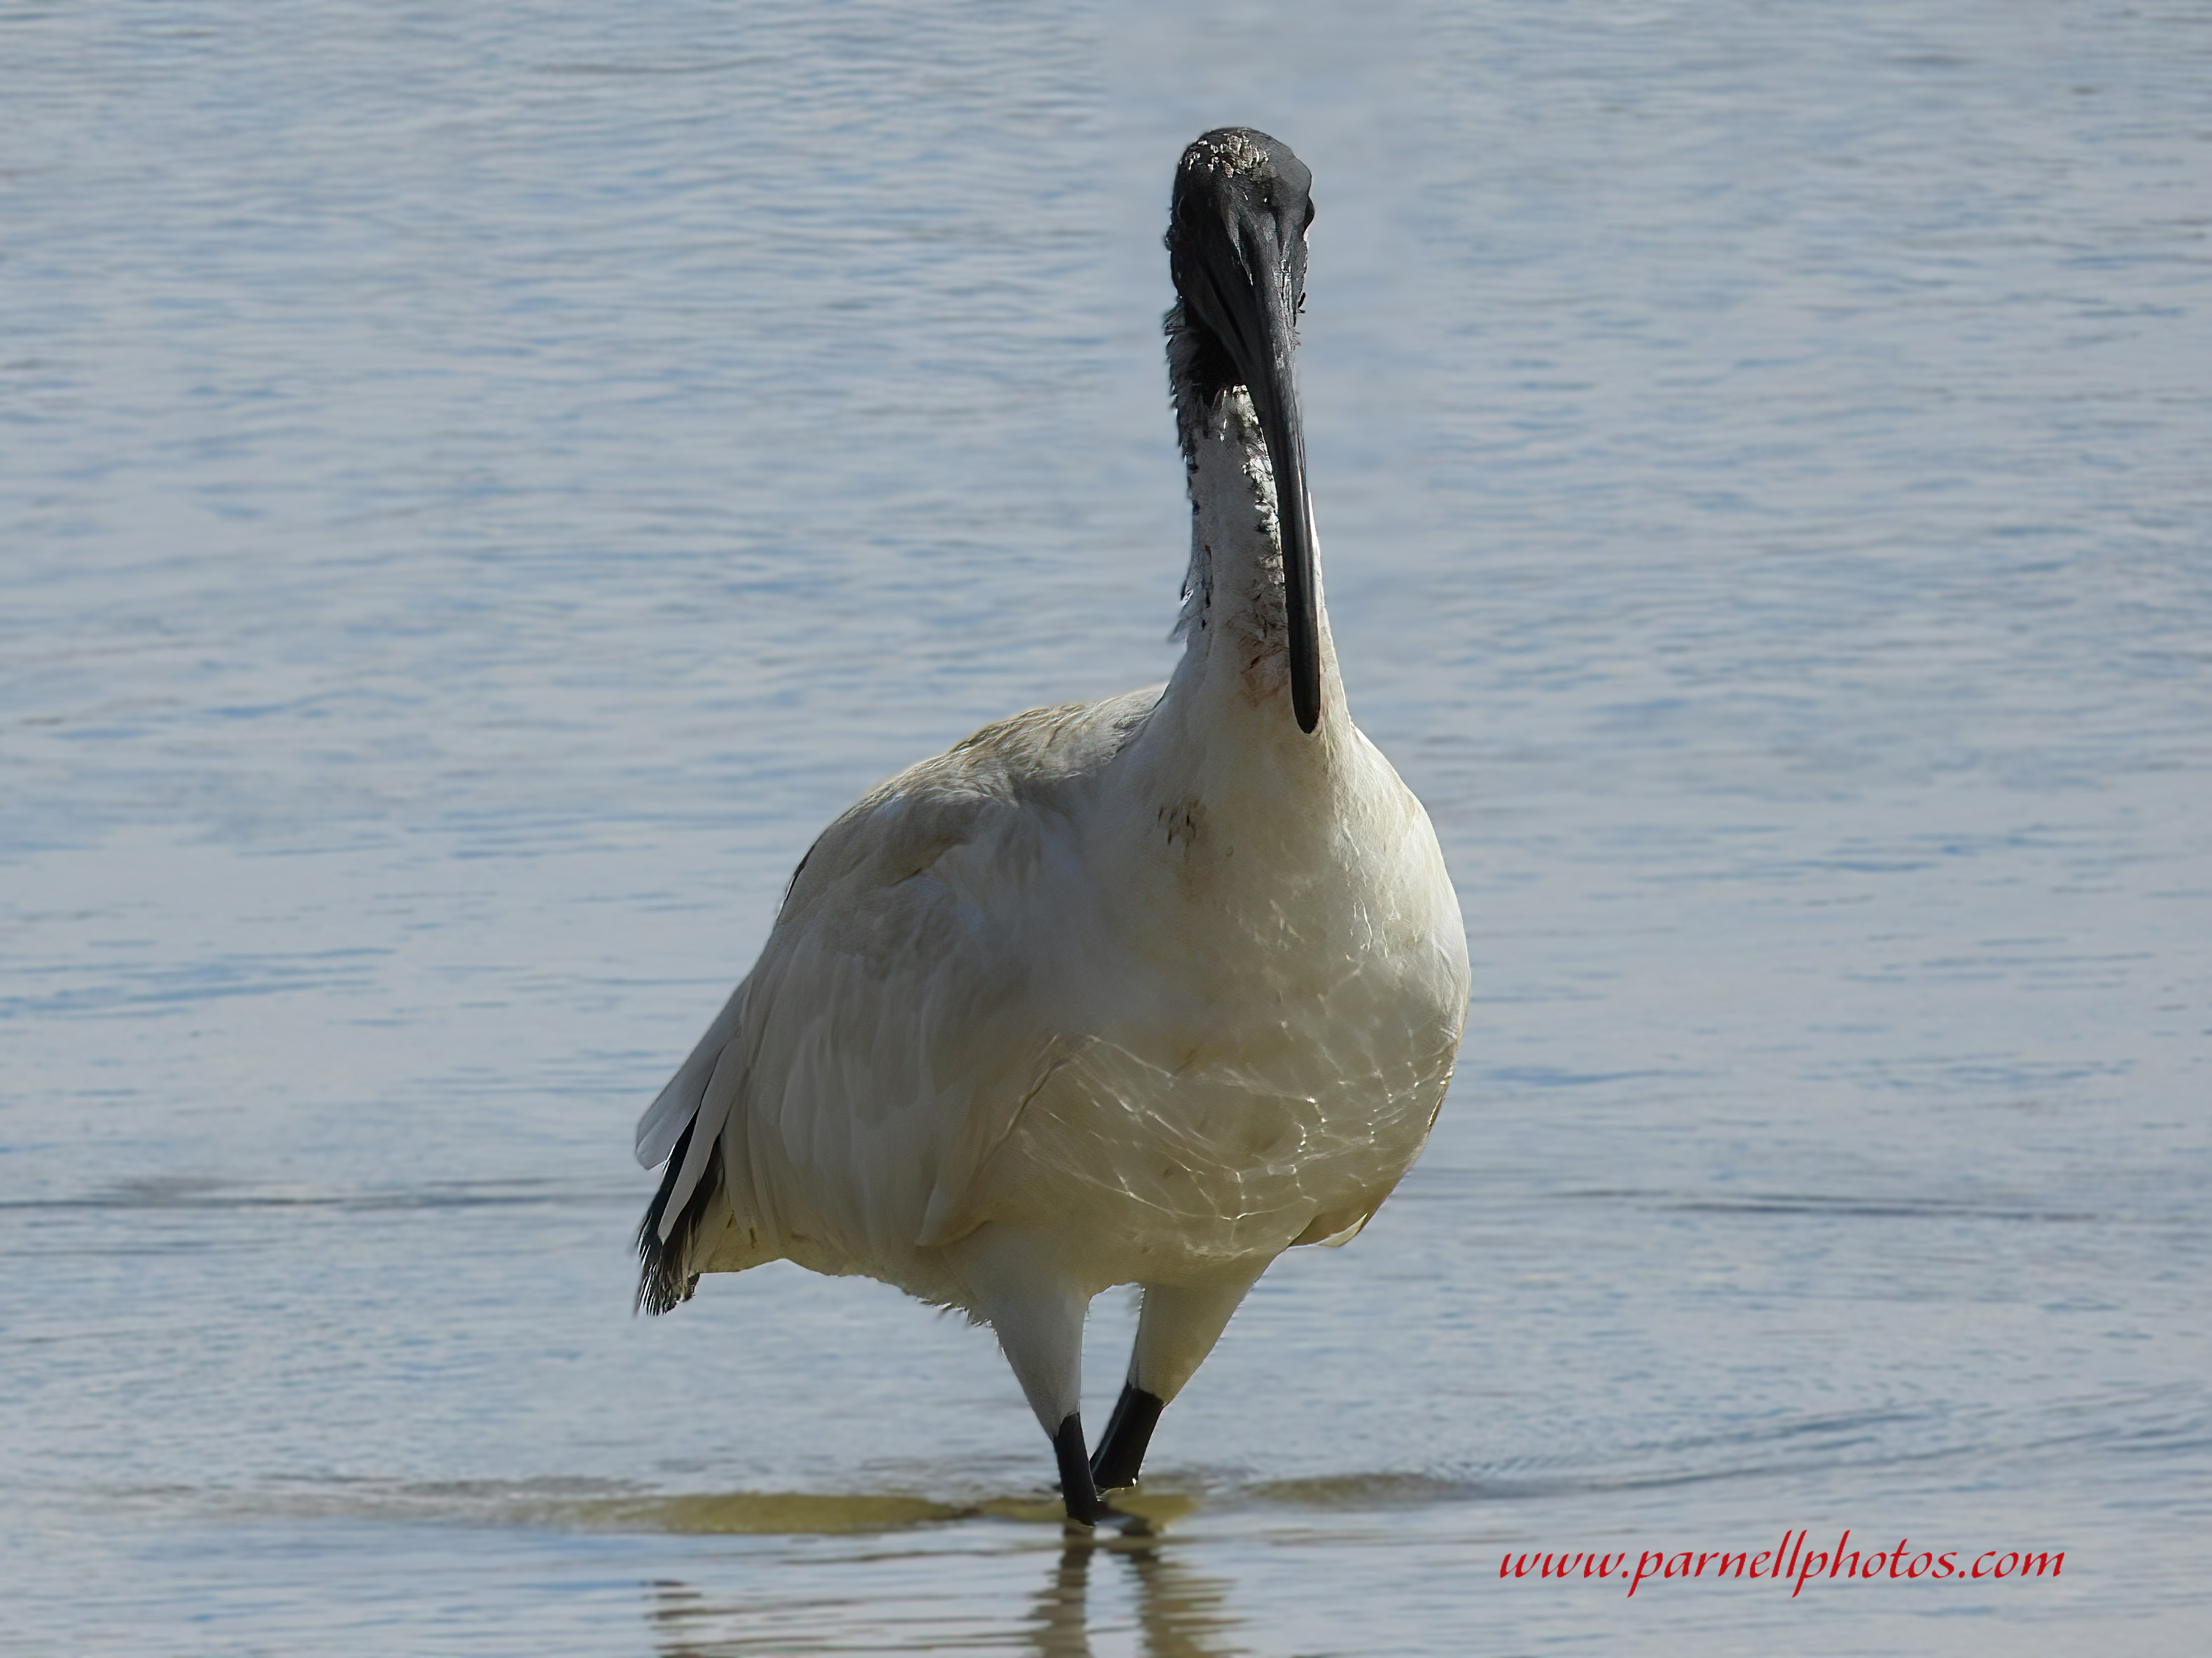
column 666, row 1277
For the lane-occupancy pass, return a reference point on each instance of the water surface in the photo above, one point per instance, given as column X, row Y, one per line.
column 478, row 490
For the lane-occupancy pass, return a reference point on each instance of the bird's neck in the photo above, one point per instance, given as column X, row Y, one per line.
column 1234, row 625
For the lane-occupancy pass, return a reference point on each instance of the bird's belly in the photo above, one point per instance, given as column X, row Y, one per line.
column 1166, row 1165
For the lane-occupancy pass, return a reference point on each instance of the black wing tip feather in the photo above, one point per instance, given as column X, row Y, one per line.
column 665, row 1279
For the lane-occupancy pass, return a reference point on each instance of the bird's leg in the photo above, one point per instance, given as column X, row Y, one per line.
column 1014, row 1280
column 1128, row 1432
column 1085, row 1506
column 1175, row 1332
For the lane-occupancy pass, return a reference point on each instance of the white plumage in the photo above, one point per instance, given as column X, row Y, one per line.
column 1144, row 991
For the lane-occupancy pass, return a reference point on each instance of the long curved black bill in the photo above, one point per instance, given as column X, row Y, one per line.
column 1275, row 394
column 1241, row 276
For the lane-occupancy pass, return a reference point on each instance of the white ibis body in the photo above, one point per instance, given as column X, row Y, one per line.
column 1144, row 991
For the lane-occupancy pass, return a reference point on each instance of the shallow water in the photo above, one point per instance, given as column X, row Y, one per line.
column 479, row 491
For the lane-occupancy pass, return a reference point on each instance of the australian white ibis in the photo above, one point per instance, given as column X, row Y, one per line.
column 1144, row 991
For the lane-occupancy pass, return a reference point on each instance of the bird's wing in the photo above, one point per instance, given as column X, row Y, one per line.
column 887, row 1037
column 673, row 1108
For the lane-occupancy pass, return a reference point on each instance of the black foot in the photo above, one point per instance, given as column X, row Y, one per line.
column 1128, row 1432
column 1084, row 1507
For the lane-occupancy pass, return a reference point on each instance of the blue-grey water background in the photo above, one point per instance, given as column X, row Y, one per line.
column 480, row 486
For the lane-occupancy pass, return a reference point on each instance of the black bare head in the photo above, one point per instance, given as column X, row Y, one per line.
column 1237, row 247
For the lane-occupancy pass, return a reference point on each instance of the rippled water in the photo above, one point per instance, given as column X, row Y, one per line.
column 481, row 486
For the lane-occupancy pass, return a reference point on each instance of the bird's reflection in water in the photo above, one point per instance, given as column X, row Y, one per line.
column 1180, row 1614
